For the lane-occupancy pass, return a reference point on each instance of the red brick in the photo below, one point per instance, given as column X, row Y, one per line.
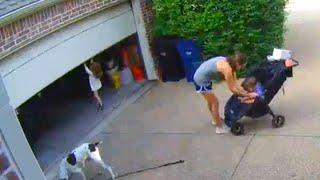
column 36, row 18
column 74, row 10
column 43, row 28
column 33, row 28
column 82, row 11
column 46, row 32
column 9, row 45
column 72, row 15
column 31, row 20
column 66, row 18
column 64, row 8
column 39, row 17
column 59, row 8
column 50, row 12
column 12, row 176
column 6, row 33
column 21, row 39
column 4, row 163
column 49, row 21
column 46, row 23
column 93, row 3
column 2, row 33
column 42, row 16
column 2, row 43
column 7, row 30
column 56, row 18
column 67, row 4
column 14, row 28
column 99, row 5
column 86, row 6
column 54, row 9
column 23, row 23
column 74, row 3
column 55, row 23
column 22, row 33
column 32, row 35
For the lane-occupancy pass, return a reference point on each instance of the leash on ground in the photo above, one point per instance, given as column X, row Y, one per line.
column 151, row 168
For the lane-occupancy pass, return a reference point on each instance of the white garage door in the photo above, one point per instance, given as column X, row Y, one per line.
column 36, row 66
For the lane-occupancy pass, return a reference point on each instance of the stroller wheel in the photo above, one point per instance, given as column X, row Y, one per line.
column 237, row 129
column 278, row 121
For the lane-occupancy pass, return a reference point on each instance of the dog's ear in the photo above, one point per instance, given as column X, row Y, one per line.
column 92, row 146
column 97, row 143
column 71, row 159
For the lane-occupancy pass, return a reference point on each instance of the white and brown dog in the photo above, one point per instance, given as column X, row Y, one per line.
column 75, row 161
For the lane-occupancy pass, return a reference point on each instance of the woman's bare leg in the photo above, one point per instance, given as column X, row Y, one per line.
column 213, row 106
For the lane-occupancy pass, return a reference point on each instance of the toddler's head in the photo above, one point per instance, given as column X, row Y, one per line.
column 249, row 84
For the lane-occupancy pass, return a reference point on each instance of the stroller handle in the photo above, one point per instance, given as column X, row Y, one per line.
column 296, row 61
column 290, row 62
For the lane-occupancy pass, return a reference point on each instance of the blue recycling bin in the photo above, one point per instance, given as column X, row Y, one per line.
column 190, row 54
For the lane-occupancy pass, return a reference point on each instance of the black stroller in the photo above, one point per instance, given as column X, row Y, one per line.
column 271, row 75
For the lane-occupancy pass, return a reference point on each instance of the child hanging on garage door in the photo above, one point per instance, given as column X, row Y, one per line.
column 95, row 74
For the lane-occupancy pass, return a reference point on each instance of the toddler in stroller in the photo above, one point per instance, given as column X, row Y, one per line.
column 265, row 80
column 250, row 84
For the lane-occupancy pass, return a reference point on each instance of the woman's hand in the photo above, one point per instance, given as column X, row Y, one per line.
column 247, row 100
column 253, row 95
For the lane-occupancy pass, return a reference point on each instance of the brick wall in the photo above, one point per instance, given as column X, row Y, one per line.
column 148, row 17
column 8, row 169
column 41, row 23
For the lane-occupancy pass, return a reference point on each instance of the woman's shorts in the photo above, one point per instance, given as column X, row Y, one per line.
column 203, row 89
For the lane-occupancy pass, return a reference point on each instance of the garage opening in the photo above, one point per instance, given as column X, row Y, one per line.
column 63, row 113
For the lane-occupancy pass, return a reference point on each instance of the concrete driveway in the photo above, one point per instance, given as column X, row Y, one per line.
column 171, row 122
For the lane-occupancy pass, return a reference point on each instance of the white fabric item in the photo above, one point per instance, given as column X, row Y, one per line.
column 279, row 54
column 222, row 130
column 95, row 83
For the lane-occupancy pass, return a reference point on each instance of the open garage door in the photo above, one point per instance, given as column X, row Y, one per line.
column 36, row 66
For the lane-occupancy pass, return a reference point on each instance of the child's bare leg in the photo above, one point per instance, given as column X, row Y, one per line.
column 97, row 97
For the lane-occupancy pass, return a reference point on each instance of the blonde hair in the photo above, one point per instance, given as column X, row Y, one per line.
column 96, row 69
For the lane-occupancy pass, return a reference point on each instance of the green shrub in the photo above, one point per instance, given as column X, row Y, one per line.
column 253, row 27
